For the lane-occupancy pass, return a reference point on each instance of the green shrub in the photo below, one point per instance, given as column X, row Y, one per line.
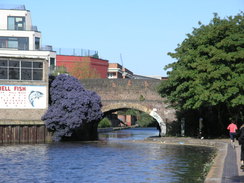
column 104, row 123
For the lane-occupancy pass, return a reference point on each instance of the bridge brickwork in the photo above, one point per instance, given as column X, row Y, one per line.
column 131, row 93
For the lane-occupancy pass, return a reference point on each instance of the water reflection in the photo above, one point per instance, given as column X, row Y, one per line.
column 129, row 134
column 103, row 161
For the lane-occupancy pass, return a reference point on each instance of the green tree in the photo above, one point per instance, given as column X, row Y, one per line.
column 104, row 123
column 59, row 70
column 209, row 70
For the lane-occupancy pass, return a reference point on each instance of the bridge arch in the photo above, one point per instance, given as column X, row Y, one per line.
column 150, row 111
column 140, row 94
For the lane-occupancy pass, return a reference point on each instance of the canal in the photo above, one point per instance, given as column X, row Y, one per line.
column 116, row 157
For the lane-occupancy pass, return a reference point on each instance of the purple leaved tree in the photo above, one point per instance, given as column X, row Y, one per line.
column 71, row 107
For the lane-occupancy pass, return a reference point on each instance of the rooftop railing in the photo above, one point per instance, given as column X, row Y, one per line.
column 76, row 52
column 12, row 7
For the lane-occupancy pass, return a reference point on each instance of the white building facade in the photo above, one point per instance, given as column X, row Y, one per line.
column 24, row 69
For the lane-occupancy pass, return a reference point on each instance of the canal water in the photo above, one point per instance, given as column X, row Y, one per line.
column 116, row 157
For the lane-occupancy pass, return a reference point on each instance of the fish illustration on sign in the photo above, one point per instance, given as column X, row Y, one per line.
column 33, row 96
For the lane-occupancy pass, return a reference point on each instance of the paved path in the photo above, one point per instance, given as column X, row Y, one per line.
column 240, row 172
column 231, row 168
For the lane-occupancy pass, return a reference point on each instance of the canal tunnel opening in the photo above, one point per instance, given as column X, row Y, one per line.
column 138, row 115
column 153, row 112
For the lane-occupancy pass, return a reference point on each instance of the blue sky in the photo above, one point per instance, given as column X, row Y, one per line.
column 142, row 31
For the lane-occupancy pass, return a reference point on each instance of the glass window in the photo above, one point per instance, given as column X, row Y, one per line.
column 11, row 23
column 37, row 74
column 37, row 43
column 13, row 63
column 12, row 43
column 37, row 64
column 3, row 73
column 52, row 62
column 16, row 23
column 26, row 64
column 21, row 70
column 26, row 74
column 14, row 73
column 3, row 63
column 20, row 43
column 23, row 43
column 2, row 42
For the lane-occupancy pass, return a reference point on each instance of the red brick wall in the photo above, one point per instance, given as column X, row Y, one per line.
column 67, row 61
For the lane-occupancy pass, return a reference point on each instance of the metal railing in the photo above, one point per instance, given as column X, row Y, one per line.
column 47, row 48
column 32, row 28
column 76, row 52
column 12, row 7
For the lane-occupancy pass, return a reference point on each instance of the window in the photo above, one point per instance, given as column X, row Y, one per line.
column 21, row 70
column 3, row 69
column 37, row 70
column 52, row 63
column 111, row 75
column 16, row 23
column 37, row 43
column 26, row 70
column 14, row 70
column 20, row 43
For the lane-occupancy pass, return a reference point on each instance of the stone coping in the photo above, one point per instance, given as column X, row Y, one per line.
column 22, row 122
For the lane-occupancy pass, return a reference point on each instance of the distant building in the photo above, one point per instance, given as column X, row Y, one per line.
column 24, row 68
column 117, row 71
column 149, row 77
column 70, row 61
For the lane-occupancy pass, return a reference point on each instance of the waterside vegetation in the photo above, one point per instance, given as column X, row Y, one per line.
column 207, row 79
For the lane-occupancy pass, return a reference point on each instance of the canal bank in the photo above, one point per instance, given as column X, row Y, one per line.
column 226, row 164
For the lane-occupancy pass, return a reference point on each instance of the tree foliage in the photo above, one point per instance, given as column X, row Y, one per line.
column 104, row 123
column 59, row 70
column 71, row 106
column 209, row 68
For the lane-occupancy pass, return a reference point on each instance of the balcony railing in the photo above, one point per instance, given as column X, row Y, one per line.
column 47, row 48
column 33, row 28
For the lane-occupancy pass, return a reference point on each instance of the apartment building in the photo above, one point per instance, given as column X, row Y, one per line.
column 117, row 71
column 24, row 68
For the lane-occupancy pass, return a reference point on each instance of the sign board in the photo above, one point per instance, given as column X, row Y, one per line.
column 23, row 97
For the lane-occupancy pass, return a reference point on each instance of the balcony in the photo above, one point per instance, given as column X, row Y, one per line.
column 32, row 28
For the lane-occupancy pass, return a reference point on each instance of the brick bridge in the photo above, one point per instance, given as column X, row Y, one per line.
column 136, row 94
